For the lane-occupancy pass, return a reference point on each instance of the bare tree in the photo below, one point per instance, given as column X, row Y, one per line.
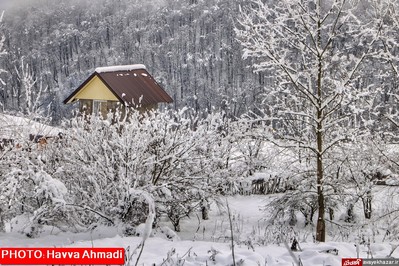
column 390, row 40
column 318, row 53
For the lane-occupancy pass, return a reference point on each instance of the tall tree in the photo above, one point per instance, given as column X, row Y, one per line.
column 3, row 52
column 389, row 98
column 318, row 53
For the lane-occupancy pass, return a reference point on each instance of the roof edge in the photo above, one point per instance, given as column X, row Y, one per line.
column 69, row 99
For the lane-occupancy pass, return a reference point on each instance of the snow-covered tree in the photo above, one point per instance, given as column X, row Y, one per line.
column 92, row 174
column 103, row 162
column 28, row 190
column 3, row 52
column 319, row 54
column 33, row 97
column 388, row 104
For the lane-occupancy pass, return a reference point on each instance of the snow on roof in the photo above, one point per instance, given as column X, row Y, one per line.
column 119, row 68
column 13, row 127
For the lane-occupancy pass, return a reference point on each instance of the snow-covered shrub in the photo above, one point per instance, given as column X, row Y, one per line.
column 176, row 156
column 182, row 159
column 35, row 193
column 133, row 210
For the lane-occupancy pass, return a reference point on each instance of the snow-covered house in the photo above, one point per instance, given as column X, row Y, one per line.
column 123, row 86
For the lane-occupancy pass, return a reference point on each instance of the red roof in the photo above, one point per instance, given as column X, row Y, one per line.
column 132, row 85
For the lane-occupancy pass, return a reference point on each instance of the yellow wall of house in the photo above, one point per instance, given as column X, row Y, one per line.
column 96, row 90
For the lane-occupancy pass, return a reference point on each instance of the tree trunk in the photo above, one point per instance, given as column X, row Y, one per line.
column 176, row 225
column 2, row 229
column 321, row 226
column 349, row 214
column 367, row 205
column 331, row 213
column 205, row 209
column 292, row 220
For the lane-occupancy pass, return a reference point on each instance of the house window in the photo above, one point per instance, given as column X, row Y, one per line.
column 86, row 106
column 100, row 107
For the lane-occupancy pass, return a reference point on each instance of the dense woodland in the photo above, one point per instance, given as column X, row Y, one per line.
column 189, row 47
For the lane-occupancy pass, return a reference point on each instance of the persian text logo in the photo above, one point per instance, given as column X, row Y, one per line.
column 352, row 262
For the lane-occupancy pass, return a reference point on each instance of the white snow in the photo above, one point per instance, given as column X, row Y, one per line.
column 13, row 127
column 51, row 188
column 205, row 249
column 119, row 68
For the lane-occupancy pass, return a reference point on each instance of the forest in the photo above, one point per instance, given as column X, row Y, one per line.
column 296, row 100
column 189, row 47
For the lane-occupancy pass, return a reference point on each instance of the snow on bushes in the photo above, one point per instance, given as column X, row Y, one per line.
column 36, row 194
column 177, row 157
column 184, row 162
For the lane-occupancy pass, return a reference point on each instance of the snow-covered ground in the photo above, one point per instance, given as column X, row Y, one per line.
column 208, row 242
column 19, row 128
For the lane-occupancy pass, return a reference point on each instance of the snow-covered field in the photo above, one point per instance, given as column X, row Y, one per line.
column 207, row 242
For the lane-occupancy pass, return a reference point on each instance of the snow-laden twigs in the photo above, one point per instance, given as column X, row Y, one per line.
column 148, row 223
column 231, row 232
column 86, row 208
column 320, row 91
